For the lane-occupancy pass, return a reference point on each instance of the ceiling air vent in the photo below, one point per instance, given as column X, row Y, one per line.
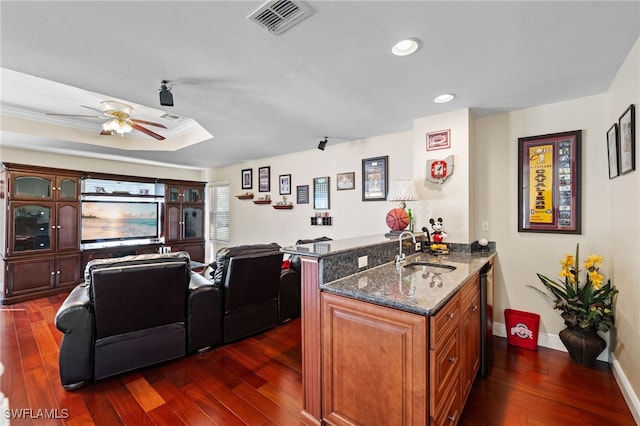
column 277, row 16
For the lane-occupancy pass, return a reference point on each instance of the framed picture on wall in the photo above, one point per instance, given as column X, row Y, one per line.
column 321, row 193
column 264, row 179
column 247, row 178
column 285, row 184
column 549, row 183
column 374, row 178
column 627, row 147
column 612, row 150
column 346, row 181
column 439, row 140
column 302, row 194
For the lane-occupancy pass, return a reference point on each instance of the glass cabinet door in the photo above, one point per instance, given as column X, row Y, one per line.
column 32, row 227
column 68, row 189
column 193, row 222
column 193, row 195
column 32, row 187
column 173, row 194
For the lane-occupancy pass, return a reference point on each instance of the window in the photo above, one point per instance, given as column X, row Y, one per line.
column 219, row 212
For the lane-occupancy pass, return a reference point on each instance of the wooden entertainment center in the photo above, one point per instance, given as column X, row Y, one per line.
column 43, row 251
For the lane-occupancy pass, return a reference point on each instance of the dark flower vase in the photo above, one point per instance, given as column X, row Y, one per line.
column 584, row 344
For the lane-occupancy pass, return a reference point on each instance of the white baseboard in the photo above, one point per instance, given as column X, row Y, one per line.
column 552, row 341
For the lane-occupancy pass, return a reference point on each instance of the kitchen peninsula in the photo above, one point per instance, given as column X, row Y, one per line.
column 386, row 342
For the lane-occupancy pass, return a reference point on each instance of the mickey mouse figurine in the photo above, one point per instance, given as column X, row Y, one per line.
column 438, row 234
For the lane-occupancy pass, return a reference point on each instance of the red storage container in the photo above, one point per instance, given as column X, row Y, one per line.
column 522, row 328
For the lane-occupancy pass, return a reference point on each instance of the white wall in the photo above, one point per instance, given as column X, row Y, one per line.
column 352, row 217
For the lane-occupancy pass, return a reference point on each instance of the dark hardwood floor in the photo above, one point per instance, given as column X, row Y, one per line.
column 258, row 382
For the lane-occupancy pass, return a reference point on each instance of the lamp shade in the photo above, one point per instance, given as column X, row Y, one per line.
column 402, row 190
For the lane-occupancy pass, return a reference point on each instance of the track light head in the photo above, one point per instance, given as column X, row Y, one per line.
column 166, row 98
column 322, row 144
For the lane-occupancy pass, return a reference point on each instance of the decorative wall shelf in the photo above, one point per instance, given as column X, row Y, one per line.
column 324, row 220
column 247, row 196
column 283, row 206
column 262, row 202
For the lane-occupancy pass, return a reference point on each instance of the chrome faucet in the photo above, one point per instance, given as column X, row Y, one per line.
column 400, row 255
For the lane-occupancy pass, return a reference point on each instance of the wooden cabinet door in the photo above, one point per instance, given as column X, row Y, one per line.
column 67, row 188
column 67, row 270
column 469, row 335
column 373, row 364
column 173, row 224
column 67, row 229
column 28, row 275
column 28, row 186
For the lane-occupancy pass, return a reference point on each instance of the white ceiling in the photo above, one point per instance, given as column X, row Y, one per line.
column 331, row 75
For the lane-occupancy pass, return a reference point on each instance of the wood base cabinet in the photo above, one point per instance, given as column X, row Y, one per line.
column 30, row 277
column 373, row 364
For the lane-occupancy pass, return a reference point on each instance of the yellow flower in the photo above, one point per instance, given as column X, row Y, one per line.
column 596, row 279
column 593, row 261
column 568, row 261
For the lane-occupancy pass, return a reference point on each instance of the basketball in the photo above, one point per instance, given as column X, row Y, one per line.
column 397, row 219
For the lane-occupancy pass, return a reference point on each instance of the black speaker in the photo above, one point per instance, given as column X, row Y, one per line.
column 166, row 98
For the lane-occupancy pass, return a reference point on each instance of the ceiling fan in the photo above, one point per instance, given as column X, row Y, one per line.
column 119, row 119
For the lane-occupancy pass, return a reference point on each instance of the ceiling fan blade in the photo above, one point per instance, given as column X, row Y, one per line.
column 95, row 109
column 73, row 115
column 150, row 123
column 147, row 131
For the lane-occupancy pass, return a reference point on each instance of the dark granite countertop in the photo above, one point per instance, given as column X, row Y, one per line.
column 408, row 289
column 334, row 247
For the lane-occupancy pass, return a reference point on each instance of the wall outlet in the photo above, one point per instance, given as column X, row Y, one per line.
column 363, row 261
column 485, row 226
column 418, row 246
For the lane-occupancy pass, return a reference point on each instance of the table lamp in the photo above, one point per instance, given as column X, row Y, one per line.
column 401, row 190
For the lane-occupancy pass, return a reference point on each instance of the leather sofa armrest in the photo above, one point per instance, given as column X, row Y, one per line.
column 204, row 314
column 75, row 319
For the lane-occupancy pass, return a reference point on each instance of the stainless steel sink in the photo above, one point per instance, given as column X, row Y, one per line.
column 436, row 268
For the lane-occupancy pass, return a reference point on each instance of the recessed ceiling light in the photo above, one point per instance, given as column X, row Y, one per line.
column 442, row 99
column 405, row 47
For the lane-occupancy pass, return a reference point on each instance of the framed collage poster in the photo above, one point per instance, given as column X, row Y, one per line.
column 549, row 183
column 285, row 184
column 264, row 179
column 374, row 178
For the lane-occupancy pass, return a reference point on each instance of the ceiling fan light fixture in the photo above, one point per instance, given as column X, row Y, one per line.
column 405, row 47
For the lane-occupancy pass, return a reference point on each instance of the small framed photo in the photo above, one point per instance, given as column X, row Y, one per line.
column 439, row 140
column 627, row 146
column 285, row 184
column 612, row 150
column 247, row 178
column 302, row 194
column 264, row 179
column 346, row 181
column 374, row 179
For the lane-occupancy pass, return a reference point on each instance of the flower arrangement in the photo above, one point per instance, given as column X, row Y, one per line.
column 585, row 304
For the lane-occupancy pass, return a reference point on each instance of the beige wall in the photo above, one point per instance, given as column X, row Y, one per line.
column 624, row 231
column 45, row 159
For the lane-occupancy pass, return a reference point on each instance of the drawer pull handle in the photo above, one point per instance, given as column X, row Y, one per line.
column 451, row 359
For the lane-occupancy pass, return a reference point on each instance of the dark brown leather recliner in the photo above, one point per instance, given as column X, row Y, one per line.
column 249, row 279
column 132, row 312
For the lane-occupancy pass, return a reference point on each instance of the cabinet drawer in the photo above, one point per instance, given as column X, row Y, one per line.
column 444, row 322
column 469, row 290
column 444, row 372
column 450, row 410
